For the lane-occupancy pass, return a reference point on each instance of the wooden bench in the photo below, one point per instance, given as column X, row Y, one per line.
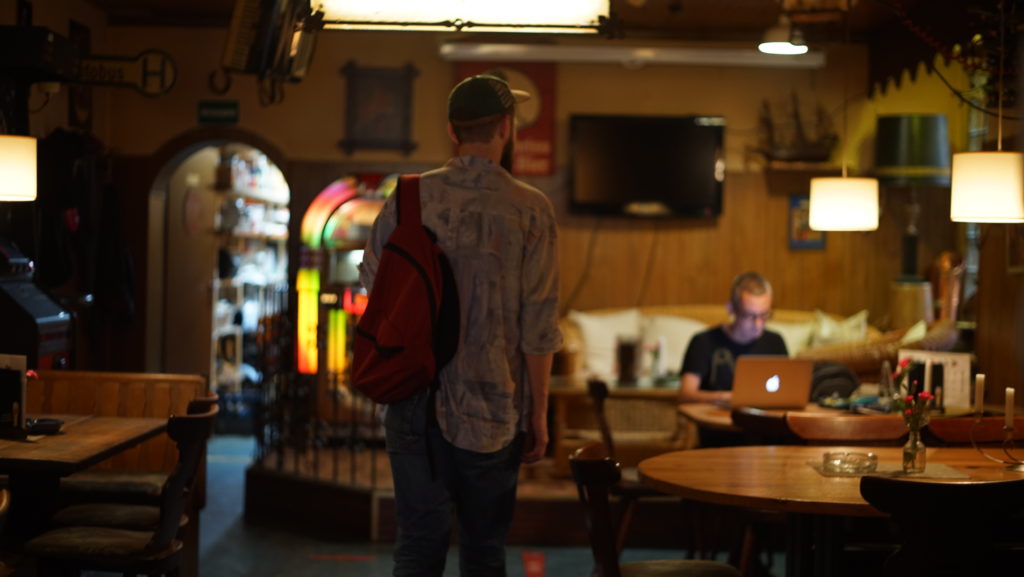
column 122, row 394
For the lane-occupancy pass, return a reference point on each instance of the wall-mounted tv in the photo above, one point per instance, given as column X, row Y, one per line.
column 646, row 166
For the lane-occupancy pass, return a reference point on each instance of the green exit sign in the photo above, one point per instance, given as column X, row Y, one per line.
column 218, row 112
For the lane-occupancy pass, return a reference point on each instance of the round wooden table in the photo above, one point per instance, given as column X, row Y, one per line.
column 779, row 478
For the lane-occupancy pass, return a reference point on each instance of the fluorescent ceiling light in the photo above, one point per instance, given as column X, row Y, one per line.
column 561, row 16
column 626, row 55
column 17, row 168
column 987, row 187
column 843, row 203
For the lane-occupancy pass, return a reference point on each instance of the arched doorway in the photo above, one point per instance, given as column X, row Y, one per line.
column 217, row 256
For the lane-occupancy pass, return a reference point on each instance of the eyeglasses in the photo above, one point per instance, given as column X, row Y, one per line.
column 749, row 317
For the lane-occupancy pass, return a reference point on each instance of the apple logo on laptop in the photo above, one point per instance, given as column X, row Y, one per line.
column 772, row 384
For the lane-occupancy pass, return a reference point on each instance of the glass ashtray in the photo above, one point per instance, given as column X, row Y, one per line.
column 848, row 463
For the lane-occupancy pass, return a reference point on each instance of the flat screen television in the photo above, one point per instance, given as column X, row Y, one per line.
column 646, row 166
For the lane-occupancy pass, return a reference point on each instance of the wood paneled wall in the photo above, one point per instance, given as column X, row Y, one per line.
column 622, row 262
column 999, row 341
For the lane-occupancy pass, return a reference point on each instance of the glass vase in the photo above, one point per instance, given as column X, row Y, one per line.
column 914, row 455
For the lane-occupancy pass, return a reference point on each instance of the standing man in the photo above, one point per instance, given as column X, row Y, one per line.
column 710, row 359
column 461, row 448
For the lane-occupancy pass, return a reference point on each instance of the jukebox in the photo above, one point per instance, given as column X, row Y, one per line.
column 32, row 324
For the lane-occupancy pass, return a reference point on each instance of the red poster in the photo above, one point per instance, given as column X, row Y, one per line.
column 535, row 142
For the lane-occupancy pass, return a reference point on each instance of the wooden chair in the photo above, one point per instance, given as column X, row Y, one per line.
column 946, row 528
column 595, row 474
column 628, row 489
column 827, row 429
column 958, row 431
column 156, row 551
column 761, row 427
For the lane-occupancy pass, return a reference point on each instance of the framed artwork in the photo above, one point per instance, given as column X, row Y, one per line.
column 801, row 237
column 378, row 111
column 1015, row 249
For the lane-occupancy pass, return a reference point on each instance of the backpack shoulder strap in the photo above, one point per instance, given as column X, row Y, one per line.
column 409, row 200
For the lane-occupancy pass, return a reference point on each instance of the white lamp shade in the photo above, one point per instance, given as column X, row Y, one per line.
column 17, row 168
column 987, row 187
column 544, row 15
column 844, row 203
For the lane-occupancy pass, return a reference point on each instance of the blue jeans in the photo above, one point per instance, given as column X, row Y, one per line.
column 480, row 487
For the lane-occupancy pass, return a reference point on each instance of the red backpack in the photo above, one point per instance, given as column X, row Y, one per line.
column 410, row 329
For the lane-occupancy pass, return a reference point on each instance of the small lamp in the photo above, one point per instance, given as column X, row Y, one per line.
column 17, row 168
column 783, row 39
column 562, row 17
column 843, row 203
column 989, row 186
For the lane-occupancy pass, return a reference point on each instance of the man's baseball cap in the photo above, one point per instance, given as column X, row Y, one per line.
column 482, row 98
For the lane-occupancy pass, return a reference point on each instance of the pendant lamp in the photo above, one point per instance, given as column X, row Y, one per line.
column 989, row 186
column 17, row 168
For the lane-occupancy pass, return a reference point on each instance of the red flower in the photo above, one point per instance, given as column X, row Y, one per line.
column 904, row 363
column 909, row 412
column 925, row 395
column 908, row 399
column 31, row 374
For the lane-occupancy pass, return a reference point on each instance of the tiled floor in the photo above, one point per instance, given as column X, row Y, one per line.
column 230, row 548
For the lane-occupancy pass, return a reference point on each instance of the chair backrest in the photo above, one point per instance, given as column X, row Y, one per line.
column 829, row 429
column 190, row 433
column 595, row 473
column 762, row 427
column 946, row 528
column 598, row 391
column 953, row 431
column 203, row 404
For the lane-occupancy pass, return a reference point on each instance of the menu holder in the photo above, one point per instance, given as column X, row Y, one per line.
column 12, row 397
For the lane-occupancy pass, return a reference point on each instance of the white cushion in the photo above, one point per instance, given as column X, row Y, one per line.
column 599, row 333
column 914, row 333
column 676, row 332
column 828, row 331
column 797, row 336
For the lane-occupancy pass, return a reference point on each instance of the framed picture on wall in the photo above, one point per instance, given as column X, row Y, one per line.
column 801, row 237
column 378, row 108
column 1015, row 249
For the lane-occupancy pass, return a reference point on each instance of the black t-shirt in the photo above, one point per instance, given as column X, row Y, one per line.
column 712, row 355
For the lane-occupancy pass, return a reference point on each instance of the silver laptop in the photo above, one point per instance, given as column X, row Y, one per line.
column 772, row 382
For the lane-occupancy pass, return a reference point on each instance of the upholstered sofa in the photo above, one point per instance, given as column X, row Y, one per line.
column 590, row 337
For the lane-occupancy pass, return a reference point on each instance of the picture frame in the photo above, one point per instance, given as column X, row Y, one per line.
column 378, row 112
column 801, row 237
column 1015, row 249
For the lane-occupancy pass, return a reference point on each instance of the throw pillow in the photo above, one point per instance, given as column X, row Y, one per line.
column 676, row 332
column 600, row 332
column 914, row 333
column 828, row 331
column 797, row 336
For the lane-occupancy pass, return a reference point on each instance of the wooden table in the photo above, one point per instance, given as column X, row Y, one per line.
column 36, row 465
column 572, row 411
column 719, row 418
column 778, row 478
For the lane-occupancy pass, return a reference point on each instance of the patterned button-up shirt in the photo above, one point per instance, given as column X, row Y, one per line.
column 500, row 236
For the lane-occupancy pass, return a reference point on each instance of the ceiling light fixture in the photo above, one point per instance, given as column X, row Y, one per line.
column 562, row 17
column 989, row 186
column 631, row 56
column 783, row 39
column 17, row 168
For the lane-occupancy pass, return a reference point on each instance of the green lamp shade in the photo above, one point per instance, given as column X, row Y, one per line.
column 912, row 150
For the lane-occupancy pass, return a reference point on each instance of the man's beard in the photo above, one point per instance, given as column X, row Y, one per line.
column 506, row 155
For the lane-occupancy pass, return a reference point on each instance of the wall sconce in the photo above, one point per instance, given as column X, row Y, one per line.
column 17, row 168
column 561, row 17
column 783, row 38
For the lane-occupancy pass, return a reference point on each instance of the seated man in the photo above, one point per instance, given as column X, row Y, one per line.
column 711, row 356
